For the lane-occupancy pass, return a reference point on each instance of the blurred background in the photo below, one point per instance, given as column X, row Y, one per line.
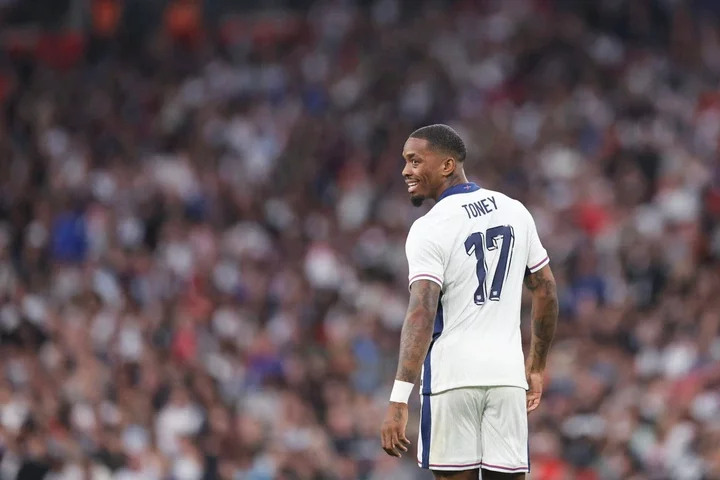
column 202, row 226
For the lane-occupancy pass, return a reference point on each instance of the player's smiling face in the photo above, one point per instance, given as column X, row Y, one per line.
column 423, row 170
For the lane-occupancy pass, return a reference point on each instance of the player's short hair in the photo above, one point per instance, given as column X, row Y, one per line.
column 443, row 138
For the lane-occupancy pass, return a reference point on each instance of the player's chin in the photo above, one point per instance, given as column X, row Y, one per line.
column 417, row 200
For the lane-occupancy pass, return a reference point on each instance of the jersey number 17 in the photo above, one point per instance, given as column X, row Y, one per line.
column 497, row 237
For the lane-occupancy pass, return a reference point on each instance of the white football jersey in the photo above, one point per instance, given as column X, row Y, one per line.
column 477, row 244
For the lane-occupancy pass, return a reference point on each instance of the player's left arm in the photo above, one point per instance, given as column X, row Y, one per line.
column 540, row 281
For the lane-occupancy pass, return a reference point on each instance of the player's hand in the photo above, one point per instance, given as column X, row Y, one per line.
column 535, row 381
column 392, row 435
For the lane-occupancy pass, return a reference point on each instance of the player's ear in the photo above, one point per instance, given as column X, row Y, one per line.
column 448, row 166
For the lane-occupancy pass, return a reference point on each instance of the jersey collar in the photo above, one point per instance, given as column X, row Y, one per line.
column 461, row 188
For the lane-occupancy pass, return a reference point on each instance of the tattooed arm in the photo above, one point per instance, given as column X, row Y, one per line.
column 544, row 317
column 417, row 329
column 425, row 264
column 414, row 344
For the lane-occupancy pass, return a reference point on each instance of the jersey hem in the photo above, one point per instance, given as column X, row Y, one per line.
column 425, row 276
column 539, row 265
column 438, row 391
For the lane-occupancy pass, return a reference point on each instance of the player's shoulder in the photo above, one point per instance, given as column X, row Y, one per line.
column 431, row 227
column 503, row 200
column 498, row 195
column 423, row 226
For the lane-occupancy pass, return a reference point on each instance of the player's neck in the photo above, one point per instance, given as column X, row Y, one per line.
column 451, row 181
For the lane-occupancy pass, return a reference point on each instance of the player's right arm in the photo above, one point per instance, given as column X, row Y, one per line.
column 426, row 273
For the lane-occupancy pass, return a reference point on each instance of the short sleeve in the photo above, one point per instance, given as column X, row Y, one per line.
column 424, row 255
column 537, row 255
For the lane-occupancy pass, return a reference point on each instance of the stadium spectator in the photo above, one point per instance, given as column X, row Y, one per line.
column 202, row 271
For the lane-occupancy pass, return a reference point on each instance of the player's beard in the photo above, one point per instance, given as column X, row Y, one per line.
column 417, row 200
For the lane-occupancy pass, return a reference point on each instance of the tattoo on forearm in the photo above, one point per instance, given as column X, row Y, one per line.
column 417, row 330
column 544, row 316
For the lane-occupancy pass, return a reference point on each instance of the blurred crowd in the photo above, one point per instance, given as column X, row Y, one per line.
column 202, row 268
